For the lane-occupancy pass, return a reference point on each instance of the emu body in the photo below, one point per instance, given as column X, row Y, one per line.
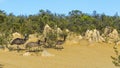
column 59, row 43
column 19, row 41
column 33, row 44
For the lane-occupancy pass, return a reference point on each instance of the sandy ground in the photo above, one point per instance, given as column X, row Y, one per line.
column 74, row 55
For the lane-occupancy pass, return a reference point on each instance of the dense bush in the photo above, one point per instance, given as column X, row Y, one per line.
column 76, row 21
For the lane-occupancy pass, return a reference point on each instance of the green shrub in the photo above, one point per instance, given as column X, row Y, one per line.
column 116, row 59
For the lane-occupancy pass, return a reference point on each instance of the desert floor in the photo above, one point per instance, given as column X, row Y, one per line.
column 74, row 55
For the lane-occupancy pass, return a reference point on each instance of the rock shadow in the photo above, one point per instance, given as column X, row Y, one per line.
column 1, row 65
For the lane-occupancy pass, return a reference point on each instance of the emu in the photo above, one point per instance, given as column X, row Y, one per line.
column 33, row 44
column 19, row 41
column 59, row 43
column 44, row 43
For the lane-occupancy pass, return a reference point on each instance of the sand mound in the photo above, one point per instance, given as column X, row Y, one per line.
column 46, row 53
column 27, row 54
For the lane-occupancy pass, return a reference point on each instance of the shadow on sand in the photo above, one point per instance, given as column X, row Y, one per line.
column 1, row 66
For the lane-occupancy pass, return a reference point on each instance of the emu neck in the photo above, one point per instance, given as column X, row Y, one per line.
column 64, row 38
column 45, row 40
column 25, row 39
column 38, row 42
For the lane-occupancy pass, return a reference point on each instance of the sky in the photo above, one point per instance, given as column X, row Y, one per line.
column 27, row 7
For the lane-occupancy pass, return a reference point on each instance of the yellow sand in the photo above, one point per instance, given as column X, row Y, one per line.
column 74, row 55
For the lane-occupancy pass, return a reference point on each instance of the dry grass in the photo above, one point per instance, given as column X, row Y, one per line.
column 74, row 55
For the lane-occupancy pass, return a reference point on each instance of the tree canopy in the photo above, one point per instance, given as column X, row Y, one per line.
column 75, row 21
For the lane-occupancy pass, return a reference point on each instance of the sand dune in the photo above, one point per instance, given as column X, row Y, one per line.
column 74, row 55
